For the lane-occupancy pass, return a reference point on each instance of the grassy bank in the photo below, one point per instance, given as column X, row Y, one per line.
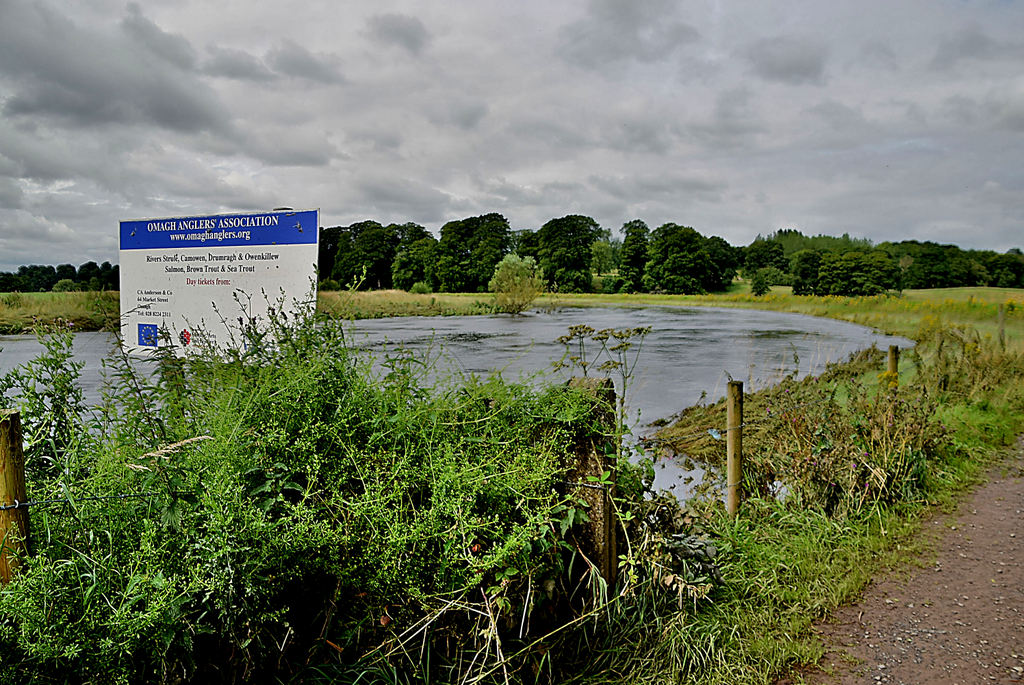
column 93, row 311
column 839, row 470
column 899, row 315
column 88, row 311
column 896, row 314
column 435, row 527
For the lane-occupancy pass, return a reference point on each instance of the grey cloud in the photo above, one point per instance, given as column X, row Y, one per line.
column 510, row 193
column 970, row 42
column 651, row 134
column 393, row 196
column 236, row 64
column 1007, row 110
column 876, row 53
column 464, row 114
column 11, row 195
column 615, row 31
column 733, row 122
column 299, row 148
column 837, row 115
column 788, row 59
column 1001, row 110
column 42, row 159
column 173, row 48
column 292, row 59
column 400, row 30
column 660, row 187
column 547, row 133
column 83, row 78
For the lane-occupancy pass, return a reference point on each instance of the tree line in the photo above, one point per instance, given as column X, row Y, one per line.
column 575, row 254
column 63, row 278
column 827, row 265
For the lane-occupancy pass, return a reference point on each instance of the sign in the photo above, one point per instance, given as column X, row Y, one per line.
column 195, row 281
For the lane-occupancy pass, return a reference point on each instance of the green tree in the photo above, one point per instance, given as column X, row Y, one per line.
column 87, row 272
column 327, row 251
column 675, row 263
column 110, row 276
column 722, row 261
column 516, row 283
column 564, row 253
column 804, row 266
column 414, row 263
column 762, row 254
column 68, row 271
column 374, row 247
column 364, row 247
column 602, row 257
column 855, row 273
column 468, row 251
column 38, row 278
column 524, row 243
column 633, row 259
column 759, row 283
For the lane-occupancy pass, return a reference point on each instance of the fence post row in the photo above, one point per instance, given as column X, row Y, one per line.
column 14, row 524
column 734, row 447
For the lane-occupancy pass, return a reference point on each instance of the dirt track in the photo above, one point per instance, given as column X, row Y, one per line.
column 960, row 619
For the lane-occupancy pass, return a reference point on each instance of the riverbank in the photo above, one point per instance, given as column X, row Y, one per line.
column 900, row 314
column 865, row 458
column 852, row 505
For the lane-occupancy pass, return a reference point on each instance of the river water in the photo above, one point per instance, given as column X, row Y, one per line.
column 689, row 352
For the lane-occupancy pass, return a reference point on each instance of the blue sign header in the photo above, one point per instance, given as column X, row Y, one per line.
column 222, row 230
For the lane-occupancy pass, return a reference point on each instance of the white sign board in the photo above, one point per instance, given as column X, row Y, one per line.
column 187, row 281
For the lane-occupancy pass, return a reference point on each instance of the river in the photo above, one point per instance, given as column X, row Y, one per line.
column 689, row 352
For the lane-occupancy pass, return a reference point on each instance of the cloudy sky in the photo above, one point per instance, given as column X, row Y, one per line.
column 887, row 119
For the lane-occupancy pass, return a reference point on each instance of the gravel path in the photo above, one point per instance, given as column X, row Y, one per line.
column 958, row 620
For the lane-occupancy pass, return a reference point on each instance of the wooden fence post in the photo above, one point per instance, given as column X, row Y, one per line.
column 601, row 531
column 13, row 522
column 1002, row 327
column 894, row 364
column 734, row 446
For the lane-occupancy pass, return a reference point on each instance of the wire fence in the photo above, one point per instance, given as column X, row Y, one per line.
column 72, row 500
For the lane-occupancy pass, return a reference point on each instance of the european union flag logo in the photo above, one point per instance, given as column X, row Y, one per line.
column 148, row 334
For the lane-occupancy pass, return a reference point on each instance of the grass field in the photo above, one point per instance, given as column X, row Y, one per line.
column 88, row 311
column 896, row 314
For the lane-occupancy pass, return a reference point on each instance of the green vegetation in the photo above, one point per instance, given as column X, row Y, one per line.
column 88, row 311
column 516, row 283
column 672, row 258
column 346, row 525
column 288, row 512
column 37, row 278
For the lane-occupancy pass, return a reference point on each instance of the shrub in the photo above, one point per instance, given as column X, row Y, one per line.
column 287, row 504
column 759, row 283
column 420, row 288
column 516, row 283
